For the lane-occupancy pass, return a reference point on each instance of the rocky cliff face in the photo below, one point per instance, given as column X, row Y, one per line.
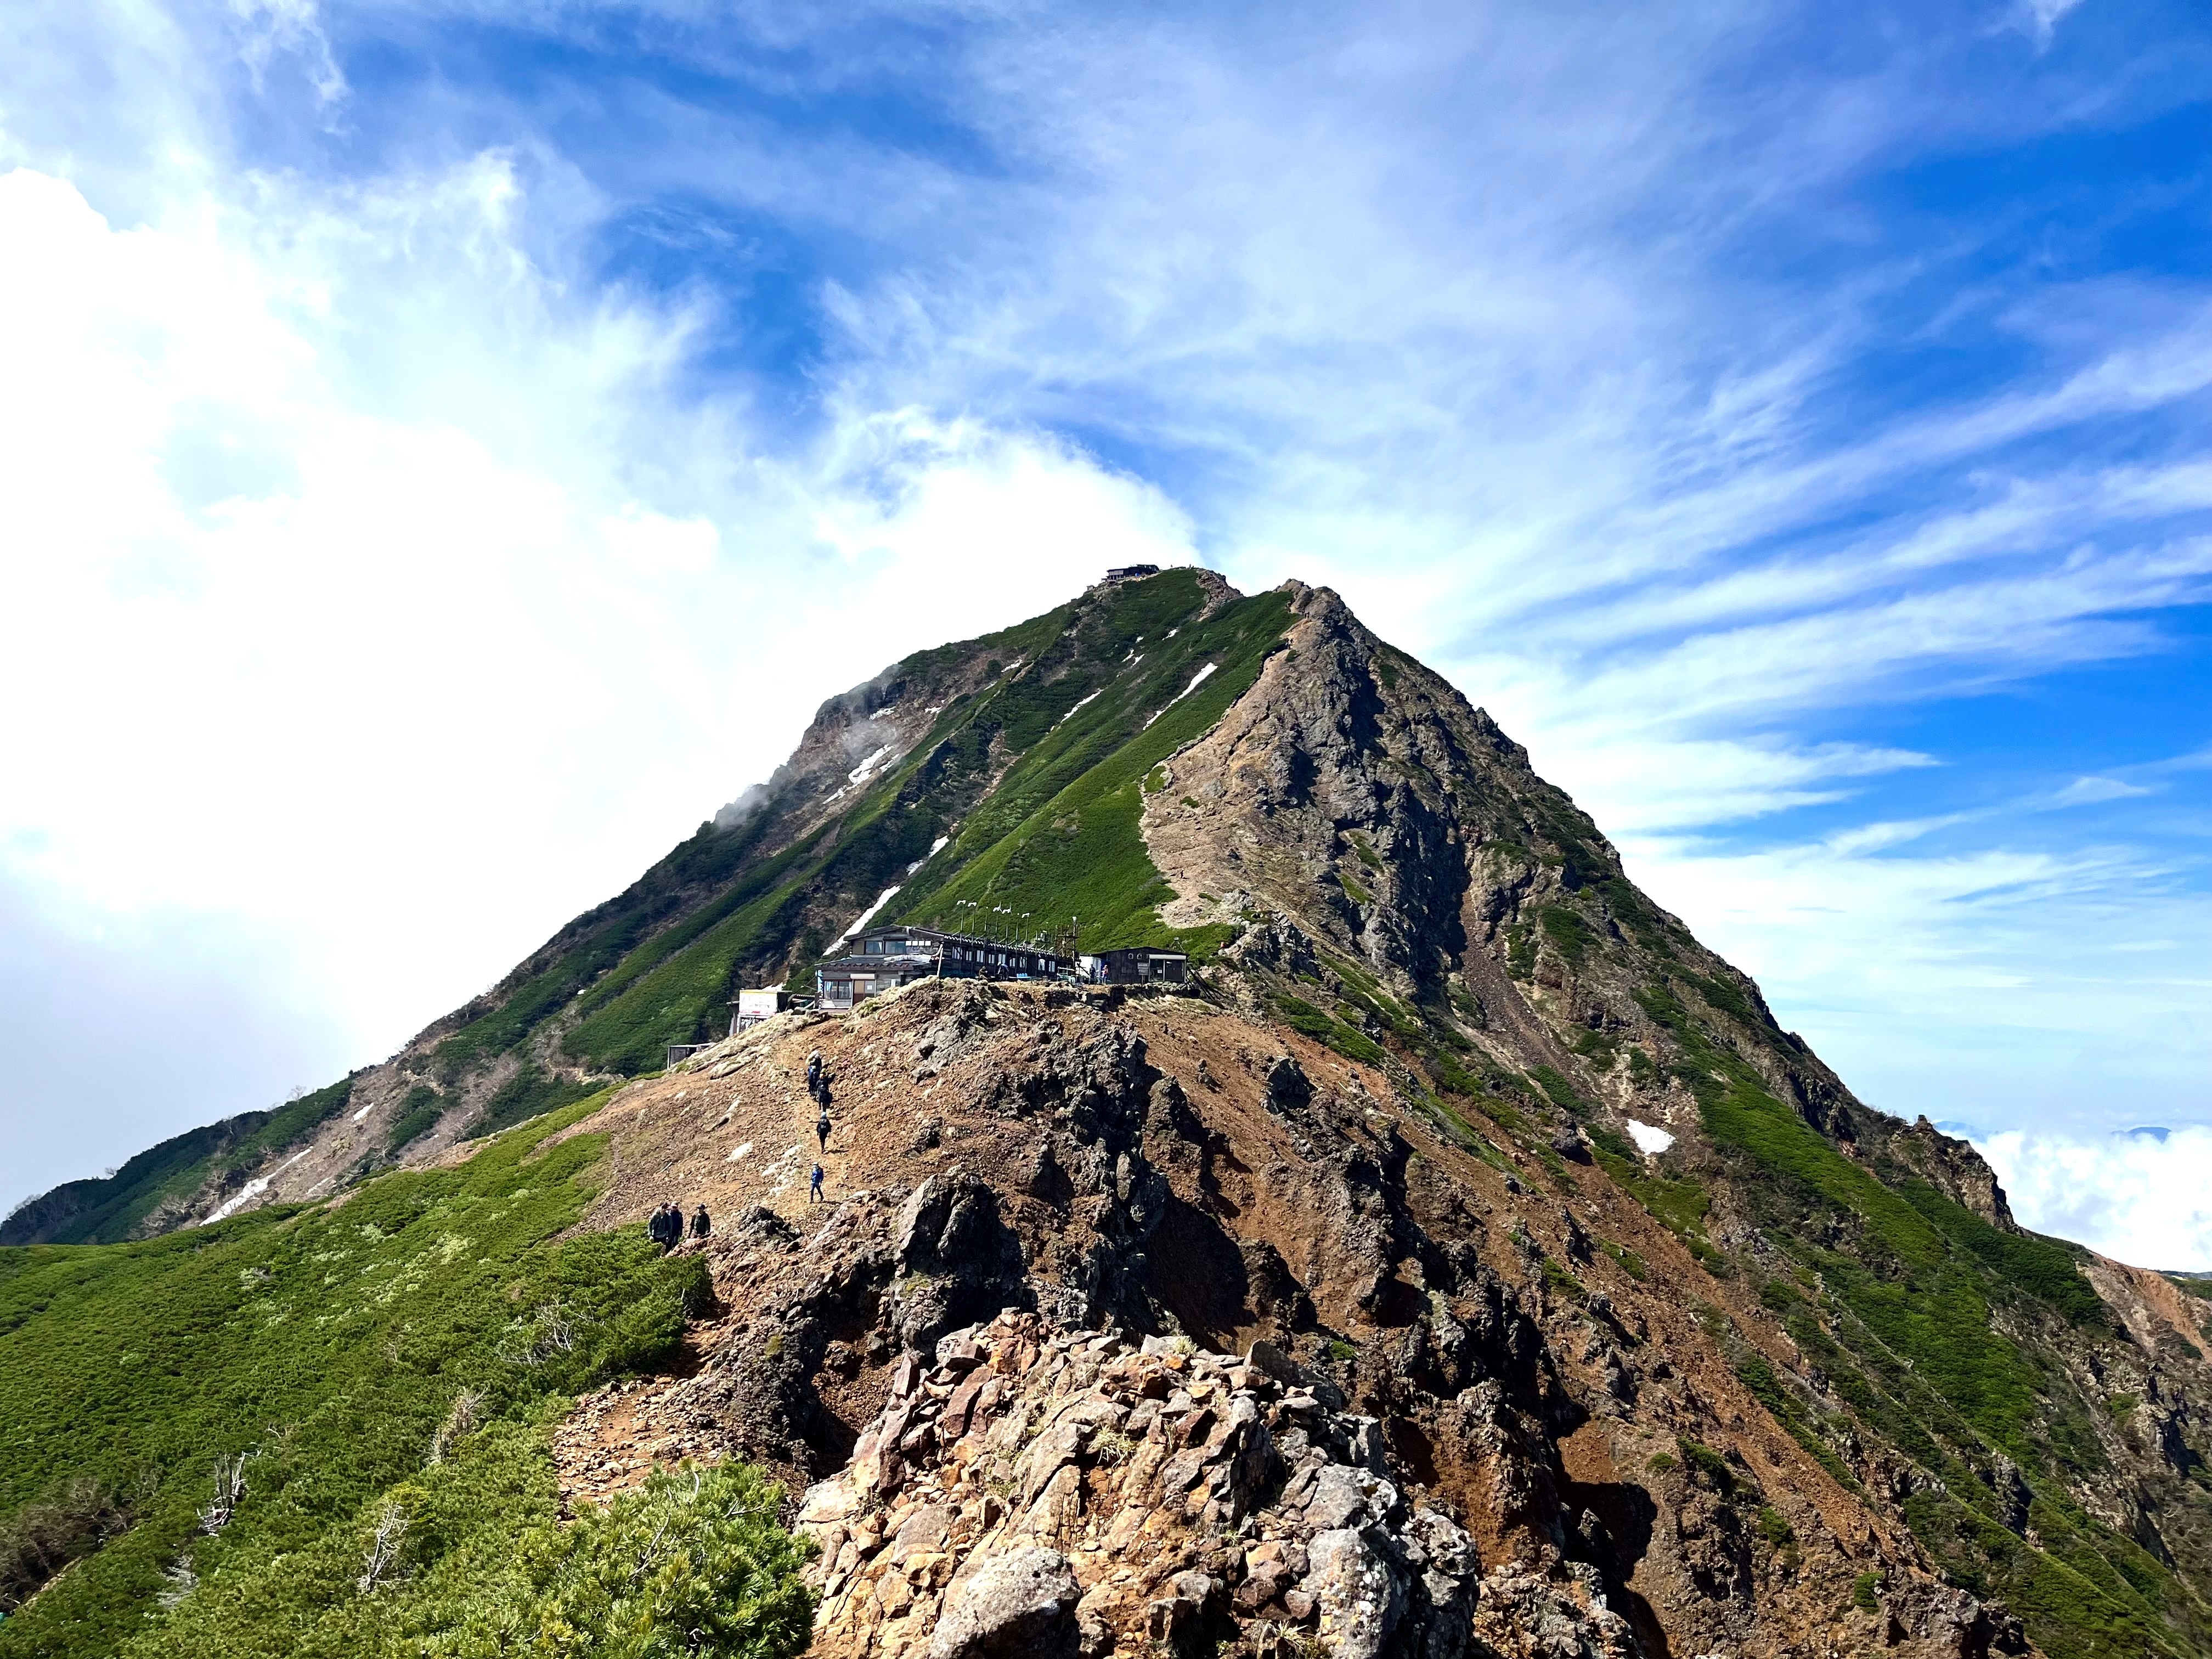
column 1130, row 1323
column 1465, row 1262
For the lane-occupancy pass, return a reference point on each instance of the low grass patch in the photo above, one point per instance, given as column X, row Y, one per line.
column 1562, row 1283
column 694, row 1564
column 531, row 1092
column 418, row 1114
column 2041, row 1268
column 1679, row 1206
column 1567, row 933
column 332, row 1349
column 1304, row 1018
column 1520, row 949
column 1631, row 1263
column 1790, row 1410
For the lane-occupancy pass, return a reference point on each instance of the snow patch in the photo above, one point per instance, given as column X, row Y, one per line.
column 371, row 1107
column 738, row 1153
column 1649, row 1138
column 1072, row 712
column 1196, row 680
column 865, row 917
column 935, row 847
column 866, row 769
column 252, row 1190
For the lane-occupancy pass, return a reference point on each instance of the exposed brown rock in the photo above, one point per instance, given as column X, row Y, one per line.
column 1273, row 1362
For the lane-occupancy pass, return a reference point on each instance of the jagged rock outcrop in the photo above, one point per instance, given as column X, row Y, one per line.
column 1038, row 1490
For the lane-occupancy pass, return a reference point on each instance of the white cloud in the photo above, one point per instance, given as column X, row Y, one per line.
column 2140, row 1198
column 1633, row 780
column 2091, row 791
column 295, row 27
column 390, row 606
column 654, row 543
column 2040, row 18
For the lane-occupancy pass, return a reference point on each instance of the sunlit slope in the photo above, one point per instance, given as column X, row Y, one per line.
column 1031, row 780
column 405, row 1346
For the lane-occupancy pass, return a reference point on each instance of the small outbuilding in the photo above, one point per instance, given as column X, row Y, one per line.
column 854, row 979
column 1139, row 965
column 751, row 1007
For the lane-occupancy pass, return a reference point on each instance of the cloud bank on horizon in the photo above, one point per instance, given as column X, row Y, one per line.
column 452, row 445
column 2138, row 1195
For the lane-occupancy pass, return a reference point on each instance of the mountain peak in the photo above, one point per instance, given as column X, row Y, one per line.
column 1543, row 1221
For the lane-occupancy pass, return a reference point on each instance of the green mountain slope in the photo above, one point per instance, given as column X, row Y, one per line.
column 1020, row 751
column 401, row 1353
column 156, row 1190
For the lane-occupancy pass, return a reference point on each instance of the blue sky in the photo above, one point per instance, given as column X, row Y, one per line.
column 453, row 446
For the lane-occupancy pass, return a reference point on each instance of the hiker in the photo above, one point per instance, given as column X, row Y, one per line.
column 822, row 1130
column 658, row 1229
column 814, row 1187
column 814, row 1074
column 701, row 1226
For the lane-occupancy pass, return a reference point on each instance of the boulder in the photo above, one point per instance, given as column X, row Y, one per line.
column 1016, row 1604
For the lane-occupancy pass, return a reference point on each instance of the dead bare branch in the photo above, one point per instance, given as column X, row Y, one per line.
column 384, row 1546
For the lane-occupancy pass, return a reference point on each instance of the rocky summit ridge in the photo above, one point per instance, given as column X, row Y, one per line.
column 1464, row 1262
